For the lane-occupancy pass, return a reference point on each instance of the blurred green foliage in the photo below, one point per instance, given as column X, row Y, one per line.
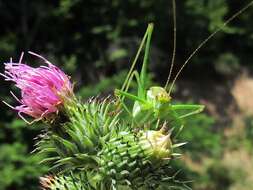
column 19, row 168
column 94, row 41
column 199, row 132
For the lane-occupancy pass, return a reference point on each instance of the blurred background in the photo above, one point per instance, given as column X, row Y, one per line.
column 94, row 41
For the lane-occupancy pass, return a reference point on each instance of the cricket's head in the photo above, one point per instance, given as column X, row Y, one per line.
column 158, row 94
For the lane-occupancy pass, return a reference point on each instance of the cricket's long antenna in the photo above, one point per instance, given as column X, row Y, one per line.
column 206, row 40
column 174, row 41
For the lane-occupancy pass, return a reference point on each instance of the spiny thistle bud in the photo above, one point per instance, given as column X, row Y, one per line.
column 47, row 182
column 131, row 159
column 156, row 144
column 81, row 138
column 43, row 89
column 51, row 182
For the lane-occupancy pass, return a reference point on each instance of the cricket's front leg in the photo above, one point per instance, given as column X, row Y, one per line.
column 129, row 96
column 194, row 109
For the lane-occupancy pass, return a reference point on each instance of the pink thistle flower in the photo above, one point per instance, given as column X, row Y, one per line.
column 43, row 89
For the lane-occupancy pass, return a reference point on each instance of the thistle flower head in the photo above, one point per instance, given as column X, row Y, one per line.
column 43, row 89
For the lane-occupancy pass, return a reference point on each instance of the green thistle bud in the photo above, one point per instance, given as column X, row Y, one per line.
column 74, row 144
column 134, row 159
column 156, row 144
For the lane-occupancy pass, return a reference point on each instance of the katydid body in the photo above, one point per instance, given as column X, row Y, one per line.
column 153, row 103
column 158, row 106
